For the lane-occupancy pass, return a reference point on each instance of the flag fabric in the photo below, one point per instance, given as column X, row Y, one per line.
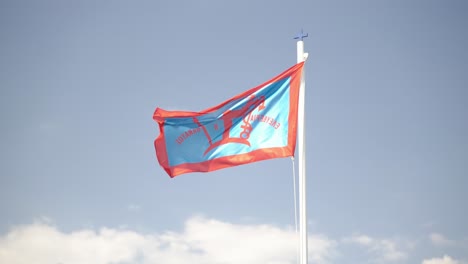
column 255, row 125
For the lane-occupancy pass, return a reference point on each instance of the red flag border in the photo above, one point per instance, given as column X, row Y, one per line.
column 295, row 72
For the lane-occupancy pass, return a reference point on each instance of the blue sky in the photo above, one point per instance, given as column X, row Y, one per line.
column 386, row 109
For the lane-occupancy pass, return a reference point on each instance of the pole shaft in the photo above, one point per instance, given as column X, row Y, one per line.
column 301, row 161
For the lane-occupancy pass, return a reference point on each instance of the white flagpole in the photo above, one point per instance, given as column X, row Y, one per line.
column 301, row 56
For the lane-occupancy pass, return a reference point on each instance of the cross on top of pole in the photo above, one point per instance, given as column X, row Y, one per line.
column 301, row 35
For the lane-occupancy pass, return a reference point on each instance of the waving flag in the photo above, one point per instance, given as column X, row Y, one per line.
column 256, row 125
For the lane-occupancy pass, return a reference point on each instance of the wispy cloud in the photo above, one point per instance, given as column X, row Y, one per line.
column 359, row 239
column 133, row 207
column 203, row 240
column 381, row 250
column 444, row 260
column 440, row 240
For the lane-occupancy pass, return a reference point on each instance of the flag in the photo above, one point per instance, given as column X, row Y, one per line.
column 255, row 125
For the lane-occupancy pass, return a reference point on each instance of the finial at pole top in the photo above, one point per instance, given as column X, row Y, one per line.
column 301, row 35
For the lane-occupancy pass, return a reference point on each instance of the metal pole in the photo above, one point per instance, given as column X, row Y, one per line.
column 301, row 56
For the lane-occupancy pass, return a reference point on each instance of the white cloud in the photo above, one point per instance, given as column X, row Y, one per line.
column 444, row 260
column 390, row 250
column 202, row 241
column 429, row 224
column 359, row 239
column 382, row 250
column 439, row 240
column 133, row 207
